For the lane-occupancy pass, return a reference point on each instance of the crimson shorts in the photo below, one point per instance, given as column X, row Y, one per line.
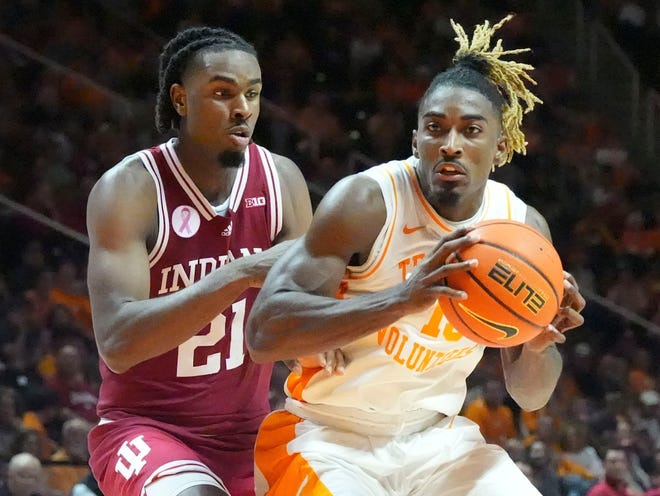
column 129, row 454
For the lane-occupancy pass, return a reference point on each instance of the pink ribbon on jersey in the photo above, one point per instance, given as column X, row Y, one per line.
column 185, row 219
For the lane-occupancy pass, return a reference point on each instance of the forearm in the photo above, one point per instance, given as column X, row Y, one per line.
column 292, row 324
column 131, row 331
column 531, row 376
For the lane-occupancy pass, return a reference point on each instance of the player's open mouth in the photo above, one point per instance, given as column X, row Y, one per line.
column 240, row 135
column 450, row 171
column 240, row 131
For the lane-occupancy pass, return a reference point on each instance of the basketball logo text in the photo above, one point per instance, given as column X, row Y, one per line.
column 511, row 280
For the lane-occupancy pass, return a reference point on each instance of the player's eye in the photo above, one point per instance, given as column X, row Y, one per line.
column 434, row 127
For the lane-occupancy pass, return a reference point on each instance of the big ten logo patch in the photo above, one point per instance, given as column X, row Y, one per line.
column 185, row 221
column 255, row 201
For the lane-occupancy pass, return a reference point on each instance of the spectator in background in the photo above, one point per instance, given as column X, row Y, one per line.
column 648, row 416
column 25, row 345
column 42, row 415
column 11, row 428
column 69, row 290
column 625, row 437
column 516, row 449
column 577, row 450
column 544, row 469
column 579, row 466
column 69, row 463
column 29, row 441
column 77, row 396
column 495, row 419
column 616, row 476
column 26, row 477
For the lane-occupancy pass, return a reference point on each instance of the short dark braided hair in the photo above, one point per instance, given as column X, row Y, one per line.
column 174, row 59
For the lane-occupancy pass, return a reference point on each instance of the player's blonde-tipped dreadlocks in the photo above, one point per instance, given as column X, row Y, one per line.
column 508, row 76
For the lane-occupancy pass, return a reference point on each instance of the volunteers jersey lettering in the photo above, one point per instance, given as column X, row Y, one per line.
column 209, row 379
column 419, row 362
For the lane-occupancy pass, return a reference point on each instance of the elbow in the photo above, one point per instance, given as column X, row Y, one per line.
column 529, row 400
column 260, row 349
column 116, row 357
column 115, row 361
column 260, row 339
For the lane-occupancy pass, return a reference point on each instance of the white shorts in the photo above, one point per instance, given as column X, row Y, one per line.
column 449, row 458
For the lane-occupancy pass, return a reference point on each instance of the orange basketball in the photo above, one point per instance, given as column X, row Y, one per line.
column 514, row 292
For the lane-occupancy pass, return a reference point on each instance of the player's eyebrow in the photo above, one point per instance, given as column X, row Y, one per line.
column 230, row 80
column 465, row 117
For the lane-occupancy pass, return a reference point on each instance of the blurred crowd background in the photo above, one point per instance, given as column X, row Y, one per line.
column 341, row 82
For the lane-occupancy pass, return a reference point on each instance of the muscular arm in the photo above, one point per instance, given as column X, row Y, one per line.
column 129, row 327
column 531, row 370
column 296, row 312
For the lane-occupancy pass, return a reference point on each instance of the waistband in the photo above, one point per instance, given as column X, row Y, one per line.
column 363, row 422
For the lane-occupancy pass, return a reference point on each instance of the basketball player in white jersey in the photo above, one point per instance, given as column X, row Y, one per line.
column 366, row 278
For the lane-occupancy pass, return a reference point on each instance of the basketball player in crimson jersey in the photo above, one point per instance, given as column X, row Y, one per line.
column 389, row 425
column 181, row 237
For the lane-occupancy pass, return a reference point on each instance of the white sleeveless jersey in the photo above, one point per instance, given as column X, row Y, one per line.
column 419, row 362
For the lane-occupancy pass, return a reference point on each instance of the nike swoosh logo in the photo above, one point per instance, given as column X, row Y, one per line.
column 507, row 330
column 410, row 230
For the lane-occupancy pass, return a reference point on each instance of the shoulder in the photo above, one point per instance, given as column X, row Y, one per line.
column 287, row 169
column 295, row 199
column 125, row 194
column 127, row 176
column 534, row 218
column 353, row 211
column 359, row 192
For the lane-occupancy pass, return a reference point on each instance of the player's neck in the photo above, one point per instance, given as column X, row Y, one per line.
column 214, row 180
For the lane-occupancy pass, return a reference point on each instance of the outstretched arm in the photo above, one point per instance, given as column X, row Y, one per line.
column 297, row 313
column 531, row 371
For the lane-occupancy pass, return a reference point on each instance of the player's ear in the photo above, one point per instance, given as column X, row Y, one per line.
column 414, row 143
column 502, row 151
column 178, row 97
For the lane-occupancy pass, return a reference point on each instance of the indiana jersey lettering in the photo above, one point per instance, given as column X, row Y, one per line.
column 207, row 393
column 420, row 360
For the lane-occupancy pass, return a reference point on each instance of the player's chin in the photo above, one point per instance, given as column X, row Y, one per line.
column 231, row 158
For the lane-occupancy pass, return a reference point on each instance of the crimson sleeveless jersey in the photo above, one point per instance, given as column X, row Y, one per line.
column 210, row 379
